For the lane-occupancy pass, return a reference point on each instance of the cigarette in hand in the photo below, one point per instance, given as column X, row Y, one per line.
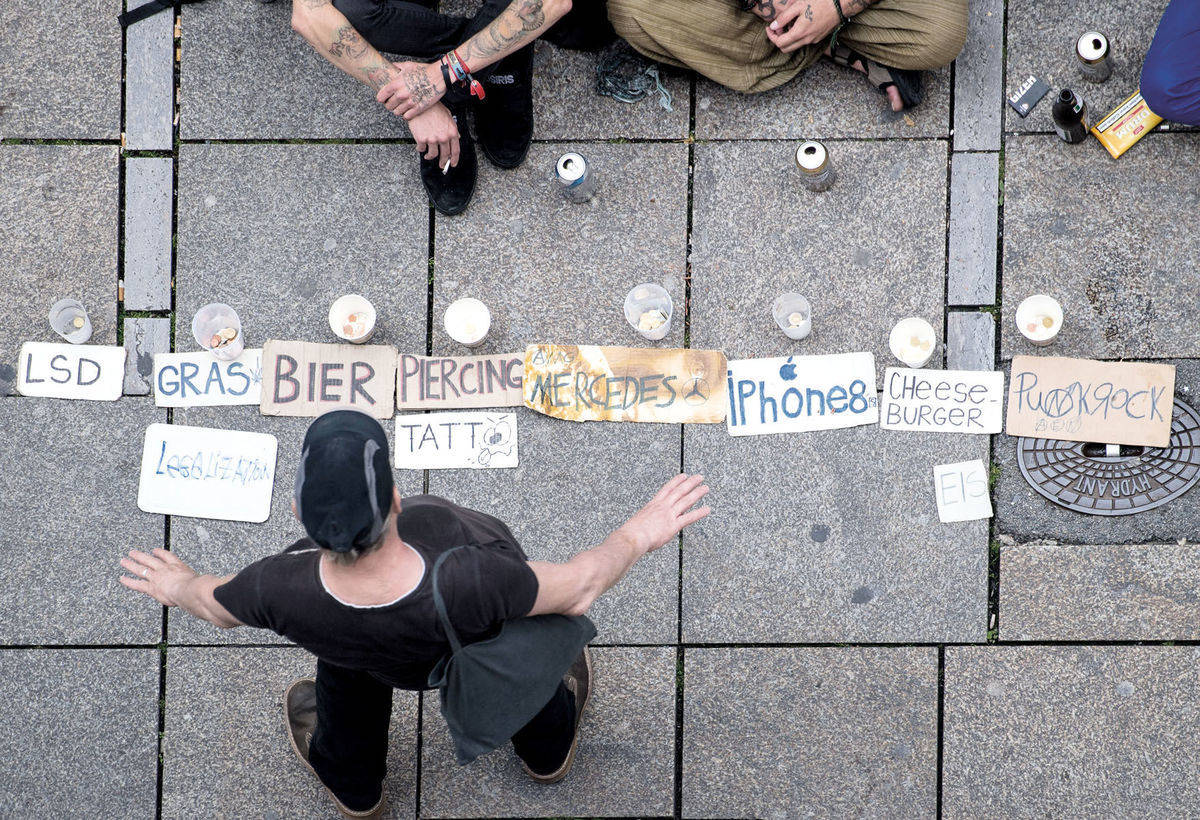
column 446, row 169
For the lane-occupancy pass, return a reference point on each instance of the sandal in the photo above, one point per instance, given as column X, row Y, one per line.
column 908, row 82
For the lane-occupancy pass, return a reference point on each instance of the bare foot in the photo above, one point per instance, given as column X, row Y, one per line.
column 891, row 91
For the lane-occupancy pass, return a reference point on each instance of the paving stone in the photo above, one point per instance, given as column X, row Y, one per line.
column 150, row 81
column 222, row 91
column 80, row 732
column 225, row 751
column 830, row 537
column 59, row 240
column 1070, row 731
column 68, row 500
column 824, row 101
column 61, row 76
column 970, row 341
column 979, row 79
column 280, row 231
column 1124, row 267
column 553, row 271
column 1099, row 593
column 143, row 338
column 1027, row 516
column 974, row 194
column 148, row 182
column 554, row 514
column 625, row 764
column 1041, row 41
column 779, row 733
column 866, row 253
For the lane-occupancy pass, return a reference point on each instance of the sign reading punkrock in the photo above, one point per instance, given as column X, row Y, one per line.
column 591, row 383
column 944, row 401
column 801, row 393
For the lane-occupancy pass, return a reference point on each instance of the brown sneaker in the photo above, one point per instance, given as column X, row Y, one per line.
column 300, row 720
column 579, row 680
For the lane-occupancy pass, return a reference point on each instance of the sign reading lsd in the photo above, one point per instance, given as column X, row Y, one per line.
column 1084, row 400
column 201, row 380
column 67, row 371
column 801, row 393
column 201, row 472
column 452, row 440
column 942, row 401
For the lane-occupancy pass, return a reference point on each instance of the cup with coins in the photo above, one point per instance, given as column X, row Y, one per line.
column 70, row 320
column 218, row 330
column 793, row 314
column 648, row 309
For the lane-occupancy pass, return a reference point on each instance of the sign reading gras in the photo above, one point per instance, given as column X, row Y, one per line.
column 801, row 393
column 590, row 383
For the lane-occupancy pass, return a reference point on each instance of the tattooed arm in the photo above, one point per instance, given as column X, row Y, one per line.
column 517, row 26
column 803, row 22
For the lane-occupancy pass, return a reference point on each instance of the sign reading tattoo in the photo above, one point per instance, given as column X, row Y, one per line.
column 590, row 383
column 1083, row 400
column 457, row 440
column 801, row 393
column 441, row 382
column 306, row 379
column 67, row 371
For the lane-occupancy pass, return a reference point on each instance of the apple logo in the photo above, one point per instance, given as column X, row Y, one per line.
column 788, row 371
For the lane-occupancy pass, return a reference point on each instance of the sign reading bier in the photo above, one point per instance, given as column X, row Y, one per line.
column 591, row 383
column 307, row 379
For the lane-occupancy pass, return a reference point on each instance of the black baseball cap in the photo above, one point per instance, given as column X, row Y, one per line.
column 344, row 481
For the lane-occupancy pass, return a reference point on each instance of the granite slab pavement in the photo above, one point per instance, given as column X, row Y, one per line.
column 81, row 732
column 974, row 194
column 148, row 228
column 150, row 81
column 866, row 253
column 68, row 500
column 830, row 536
column 554, row 271
column 577, row 482
column 144, row 337
column 225, row 748
column 970, row 340
column 1070, row 731
column 61, row 74
column 280, row 231
column 1091, row 592
column 1110, row 240
column 829, row 731
column 624, row 765
column 979, row 79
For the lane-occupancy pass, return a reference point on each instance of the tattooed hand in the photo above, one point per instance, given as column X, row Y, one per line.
column 764, row 8
column 803, row 22
column 418, row 87
column 436, row 134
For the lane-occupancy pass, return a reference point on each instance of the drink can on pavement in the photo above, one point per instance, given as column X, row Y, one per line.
column 575, row 177
column 816, row 171
column 1092, row 51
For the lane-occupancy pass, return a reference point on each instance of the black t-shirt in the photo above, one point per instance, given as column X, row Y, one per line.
column 484, row 584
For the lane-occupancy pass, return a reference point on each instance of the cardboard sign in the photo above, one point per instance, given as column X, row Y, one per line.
column 472, row 440
column 202, row 380
column 942, row 401
column 67, row 371
column 1084, row 400
column 205, row 473
column 307, row 379
column 801, row 393
column 442, row 382
column 962, row 491
column 590, row 383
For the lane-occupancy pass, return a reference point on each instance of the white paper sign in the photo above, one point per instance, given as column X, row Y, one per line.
column 942, row 401
column 962, row 491
column 454, row 440
column 202, row 472
column 801, row 393
column 66, row 371
column 202, row 380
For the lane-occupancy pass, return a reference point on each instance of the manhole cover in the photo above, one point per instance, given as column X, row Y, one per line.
column 1104, row 480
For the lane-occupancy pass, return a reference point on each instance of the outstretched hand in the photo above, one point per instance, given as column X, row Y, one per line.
column 668, row 512
column 414, row 90
column 156, row 574
column 801, row 23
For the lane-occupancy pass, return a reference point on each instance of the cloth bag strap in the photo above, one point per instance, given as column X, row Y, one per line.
column 441, row 604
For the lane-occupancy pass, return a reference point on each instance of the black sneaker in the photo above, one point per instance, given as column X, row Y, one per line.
column 504, row 119
column 579, row 681
column 451, row 192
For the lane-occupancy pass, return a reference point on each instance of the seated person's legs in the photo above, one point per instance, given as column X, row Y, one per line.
column 1171, row 74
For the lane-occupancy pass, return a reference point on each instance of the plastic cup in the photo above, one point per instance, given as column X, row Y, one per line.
column 913, row 341
column 211, row 320
column 1039, row 319
column 358, row 330
column 648, row 309
column 467, row 321
column 70, row 320
column 793, row 314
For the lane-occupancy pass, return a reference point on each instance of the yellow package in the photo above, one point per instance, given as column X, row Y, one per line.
column 1128, row 123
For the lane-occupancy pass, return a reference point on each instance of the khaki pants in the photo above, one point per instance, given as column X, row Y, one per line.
column 730, row 46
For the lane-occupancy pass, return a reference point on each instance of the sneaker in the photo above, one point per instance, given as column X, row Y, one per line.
column 579, row 680
column 300, row 719
column 451, row 192
column 504, row 119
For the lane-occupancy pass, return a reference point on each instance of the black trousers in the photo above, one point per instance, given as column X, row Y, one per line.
column 354, row 709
